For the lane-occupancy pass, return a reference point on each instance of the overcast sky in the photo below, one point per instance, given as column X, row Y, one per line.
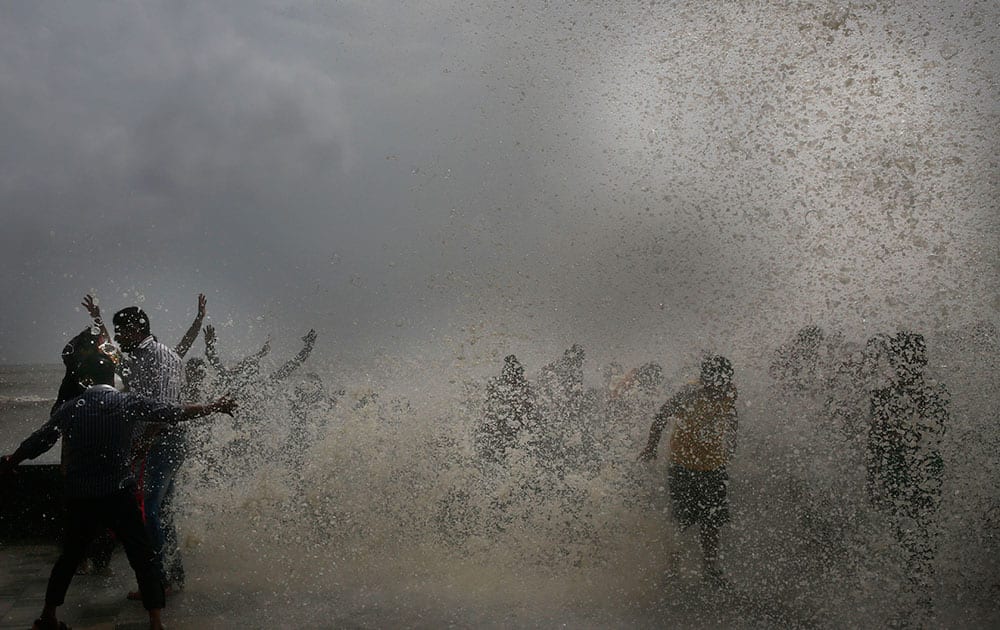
column 460, row 179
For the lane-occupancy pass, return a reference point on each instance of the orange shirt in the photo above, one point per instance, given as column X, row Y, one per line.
column 703, row 436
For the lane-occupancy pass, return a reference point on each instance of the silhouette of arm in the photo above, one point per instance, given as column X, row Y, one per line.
column 296, row 361
column 253, row 359
column 192, row 333
column 660, row 421
column 95, row 313
column 210, row 354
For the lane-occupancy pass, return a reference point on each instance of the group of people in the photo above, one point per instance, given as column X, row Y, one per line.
column 121, row 411
column 905, row 417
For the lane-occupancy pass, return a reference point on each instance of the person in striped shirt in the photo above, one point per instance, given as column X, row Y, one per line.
column 99, row 428
column 154, row 370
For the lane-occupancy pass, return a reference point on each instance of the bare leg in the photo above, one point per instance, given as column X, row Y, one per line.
column 709, row 538
column 710, row 543
column 154, row 619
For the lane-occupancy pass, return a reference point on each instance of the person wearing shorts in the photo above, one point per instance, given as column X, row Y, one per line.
column 702, row 442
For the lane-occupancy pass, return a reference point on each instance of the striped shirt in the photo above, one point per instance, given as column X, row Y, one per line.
column 155, row 371
column 98, row 428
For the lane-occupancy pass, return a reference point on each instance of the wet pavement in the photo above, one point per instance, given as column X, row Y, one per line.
column 93, row 602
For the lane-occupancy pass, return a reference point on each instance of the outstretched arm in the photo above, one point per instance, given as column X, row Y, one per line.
column 660, row 421
column 655, row 430
column 210, row 354
column 94, row 310
column 253, row 359
column 192, row 333
column 37, row 443
column 296, row 361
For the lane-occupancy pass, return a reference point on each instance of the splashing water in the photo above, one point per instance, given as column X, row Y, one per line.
column 363, row 507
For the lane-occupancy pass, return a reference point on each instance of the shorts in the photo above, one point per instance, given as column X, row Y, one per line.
column 698, row 496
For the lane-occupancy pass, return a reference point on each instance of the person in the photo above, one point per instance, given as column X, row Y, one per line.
column 309, row 412
column 98, row 429
column 154, row 371
column 645, row 378
column 243, row 376
column 98, row 561
column 508, row 412
column 905, row 469
column 702, row 443
column 245, row 384
column 243, row 380
column 90, row 342
column 564, row 438
column 182, row 346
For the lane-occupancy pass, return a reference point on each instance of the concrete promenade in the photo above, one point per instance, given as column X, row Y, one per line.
column 93, row 602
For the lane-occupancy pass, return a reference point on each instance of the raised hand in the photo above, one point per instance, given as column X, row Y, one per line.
column 93, row 309
column 202, row 301
column 224, row 405
column 309, row 337
column 209, row 334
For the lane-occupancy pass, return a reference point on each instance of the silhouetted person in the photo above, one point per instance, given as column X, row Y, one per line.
column 563, row 437
column 630, row 394
column 905, row 467
column 702, row 442
column 310, row 410
column 253, row 391
column 182, row 346
column 508, row 412
column 99, row 428
column 90, row 343
column 799, row 365
column 244, row 379
column 153, row 370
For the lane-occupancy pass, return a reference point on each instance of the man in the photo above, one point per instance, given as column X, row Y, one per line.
column 509, row 411
column 909, row 417
column 99, row 428
column 701, row 444
column 153, row 370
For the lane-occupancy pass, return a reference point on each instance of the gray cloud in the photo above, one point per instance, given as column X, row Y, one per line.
column 686, row 173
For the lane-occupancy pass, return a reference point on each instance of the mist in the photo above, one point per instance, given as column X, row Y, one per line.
column 435, row 186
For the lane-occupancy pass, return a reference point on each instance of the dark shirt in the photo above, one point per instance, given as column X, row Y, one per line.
column 99, row 428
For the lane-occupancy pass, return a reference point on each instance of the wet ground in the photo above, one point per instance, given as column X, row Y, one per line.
column 99, row 603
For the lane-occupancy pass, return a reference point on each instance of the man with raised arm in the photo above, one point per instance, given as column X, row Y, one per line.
column 99, row 428
column 182, row 346
column 703, row 441
column 153, row 370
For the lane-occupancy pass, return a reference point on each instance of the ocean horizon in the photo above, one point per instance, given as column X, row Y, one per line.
column 27, row 391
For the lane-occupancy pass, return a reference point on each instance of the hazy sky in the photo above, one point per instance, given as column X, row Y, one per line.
column 460, row 179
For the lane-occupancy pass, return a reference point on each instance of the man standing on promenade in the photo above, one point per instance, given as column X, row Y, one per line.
column 99, row 428
column 701, row 444
column 155, row 371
